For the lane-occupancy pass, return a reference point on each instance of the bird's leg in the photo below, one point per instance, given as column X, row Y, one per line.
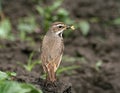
column 46, row 70
column 48, row 75
column 54, row 79
column 53, row 76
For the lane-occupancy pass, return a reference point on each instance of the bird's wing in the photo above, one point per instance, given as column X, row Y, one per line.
column 52, row 49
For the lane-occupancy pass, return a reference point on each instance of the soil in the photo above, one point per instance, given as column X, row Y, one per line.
column 101, row 44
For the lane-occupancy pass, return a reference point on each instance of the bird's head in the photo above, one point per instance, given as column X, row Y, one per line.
column 58, row 27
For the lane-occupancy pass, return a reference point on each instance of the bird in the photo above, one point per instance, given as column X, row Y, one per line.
column 52, row 49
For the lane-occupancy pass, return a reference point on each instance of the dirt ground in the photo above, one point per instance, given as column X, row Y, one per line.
column 102, row 43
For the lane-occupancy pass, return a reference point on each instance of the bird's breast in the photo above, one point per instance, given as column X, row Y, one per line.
column 52, row 47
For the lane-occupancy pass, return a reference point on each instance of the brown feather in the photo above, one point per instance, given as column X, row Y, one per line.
column 52, row 50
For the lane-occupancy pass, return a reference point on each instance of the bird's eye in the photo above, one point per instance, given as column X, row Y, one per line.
column 60, row 26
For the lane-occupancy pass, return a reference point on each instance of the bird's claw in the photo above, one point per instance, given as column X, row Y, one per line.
column 49, row 83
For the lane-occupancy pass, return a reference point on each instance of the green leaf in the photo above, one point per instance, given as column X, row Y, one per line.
column 116, row 21
column 85, row 27
column 60, row 70
column 5, row 28
column 27, row 24
column 40, row 10
column 71, row 59
column 11, row 87
column 56, row 5
column 3, row 75
column 69, row 21
column 6, row 75
column 98, row 65
column 14, row 87
column 62, row 12
column 33, row 89
column 11, row 74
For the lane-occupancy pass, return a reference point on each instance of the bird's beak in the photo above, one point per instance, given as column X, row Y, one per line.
column 70, row 27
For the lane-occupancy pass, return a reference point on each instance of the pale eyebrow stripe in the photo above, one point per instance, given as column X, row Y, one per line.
column 60, row 25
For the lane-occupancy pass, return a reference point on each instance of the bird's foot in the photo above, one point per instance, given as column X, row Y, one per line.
column 54, row 84
column 50, row 83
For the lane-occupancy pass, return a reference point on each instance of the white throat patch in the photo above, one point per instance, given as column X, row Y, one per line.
column 59, row 33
